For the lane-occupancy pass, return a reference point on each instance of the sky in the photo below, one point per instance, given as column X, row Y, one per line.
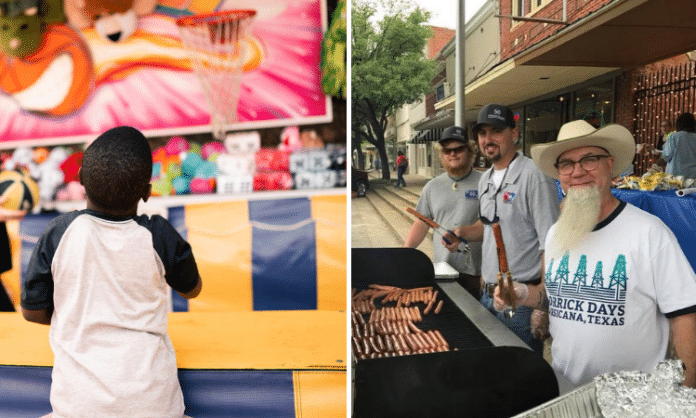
column 444, row 12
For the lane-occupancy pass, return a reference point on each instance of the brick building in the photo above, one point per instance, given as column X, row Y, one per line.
column 518, row 35
column 553, row 61
column 440, row 38
column 605, row 61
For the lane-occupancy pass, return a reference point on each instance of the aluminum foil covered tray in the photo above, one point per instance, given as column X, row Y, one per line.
column 626, row 394
column 643, row 395
column 580, row 403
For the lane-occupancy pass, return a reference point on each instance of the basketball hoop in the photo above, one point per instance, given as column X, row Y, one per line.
column 215, row 43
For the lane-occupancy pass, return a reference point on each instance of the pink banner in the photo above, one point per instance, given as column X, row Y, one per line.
column 80, row 83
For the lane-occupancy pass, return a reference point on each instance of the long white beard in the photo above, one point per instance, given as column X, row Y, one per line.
column 578, row 218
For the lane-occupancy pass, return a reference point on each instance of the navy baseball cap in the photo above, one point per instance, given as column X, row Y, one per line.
column 496, row 115
column 453, row 133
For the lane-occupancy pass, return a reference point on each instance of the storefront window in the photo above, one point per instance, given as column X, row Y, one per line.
column 542, row 121
column 595, row 104
column 420, row 155
column 518, row 113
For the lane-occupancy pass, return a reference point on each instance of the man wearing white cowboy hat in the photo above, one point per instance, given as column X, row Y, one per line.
column 616, row 279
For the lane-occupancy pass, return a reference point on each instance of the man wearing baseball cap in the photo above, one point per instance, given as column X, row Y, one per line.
column 616, row 278
column 451, row 199
column 514, row 194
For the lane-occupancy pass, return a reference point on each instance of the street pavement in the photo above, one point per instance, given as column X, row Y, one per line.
column 373, row 228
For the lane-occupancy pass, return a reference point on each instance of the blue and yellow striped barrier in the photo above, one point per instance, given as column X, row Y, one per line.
column 266, row 336
column 248, row 364
column 274, row 254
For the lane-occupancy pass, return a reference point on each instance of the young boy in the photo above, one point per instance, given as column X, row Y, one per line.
column 99, row 278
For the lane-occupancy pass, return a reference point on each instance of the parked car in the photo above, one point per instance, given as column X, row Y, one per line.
column 360, row 182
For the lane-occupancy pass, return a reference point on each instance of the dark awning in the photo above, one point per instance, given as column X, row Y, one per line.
column 428, row 135
column 622, row 34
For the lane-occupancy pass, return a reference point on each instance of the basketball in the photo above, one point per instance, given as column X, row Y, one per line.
column 21, row 191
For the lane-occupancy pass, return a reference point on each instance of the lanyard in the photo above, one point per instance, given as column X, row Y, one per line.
column 495, row 219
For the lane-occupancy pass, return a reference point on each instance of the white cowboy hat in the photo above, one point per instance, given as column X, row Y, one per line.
column 616, row 139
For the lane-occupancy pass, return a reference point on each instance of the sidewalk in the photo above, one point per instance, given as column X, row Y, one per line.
column 414, row 182
column 379, row 220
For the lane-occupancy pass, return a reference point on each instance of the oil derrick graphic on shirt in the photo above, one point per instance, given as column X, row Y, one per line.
column 561, row 283
column 595, row 303
column 597, row 277
column 581, row 273
column 547, row 276
column 618, row 276
column 562, row 272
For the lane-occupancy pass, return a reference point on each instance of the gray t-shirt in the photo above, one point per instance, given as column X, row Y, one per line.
column 527, row 205
column 453, row 206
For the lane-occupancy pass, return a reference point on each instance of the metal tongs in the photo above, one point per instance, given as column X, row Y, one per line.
column 503, row 272
column 440, row 230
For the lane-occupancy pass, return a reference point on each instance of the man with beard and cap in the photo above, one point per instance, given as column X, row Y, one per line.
column 616, row 279
column 524, row 202
column 451, row 199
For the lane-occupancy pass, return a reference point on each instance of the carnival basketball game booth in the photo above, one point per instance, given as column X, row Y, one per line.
column 267, row 335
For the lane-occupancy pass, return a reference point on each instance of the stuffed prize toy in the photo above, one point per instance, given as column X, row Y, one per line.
column 49, row 173
column 71, row 191
column 176, row 145
column 71, row 165
column 210, row 150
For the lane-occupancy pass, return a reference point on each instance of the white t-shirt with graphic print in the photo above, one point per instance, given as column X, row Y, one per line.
column 611, row 297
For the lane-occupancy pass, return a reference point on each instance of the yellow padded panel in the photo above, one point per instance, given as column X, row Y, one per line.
column 320, row 394
column 276, row 340
column 273, row 340
column 220, row 236
column 329, row 213
column 23, row 343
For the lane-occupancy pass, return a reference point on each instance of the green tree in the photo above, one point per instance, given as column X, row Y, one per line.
column 388, row 67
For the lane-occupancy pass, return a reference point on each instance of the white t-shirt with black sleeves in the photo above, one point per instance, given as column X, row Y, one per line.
column 108, row 280
column 611, row 297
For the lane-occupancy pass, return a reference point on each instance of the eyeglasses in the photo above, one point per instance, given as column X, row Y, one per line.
column 495, row 219
column 455, row 150
column 588, row 163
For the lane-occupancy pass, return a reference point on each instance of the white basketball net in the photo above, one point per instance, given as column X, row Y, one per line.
column 215, row 44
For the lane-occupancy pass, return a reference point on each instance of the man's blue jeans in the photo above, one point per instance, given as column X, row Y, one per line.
column 519, row 324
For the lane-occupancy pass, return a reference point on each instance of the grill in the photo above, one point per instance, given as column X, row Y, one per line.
column 408, row 268
column 458, row 330
column 473, row 379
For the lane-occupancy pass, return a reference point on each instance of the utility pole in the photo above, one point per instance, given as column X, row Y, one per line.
column 460, row 67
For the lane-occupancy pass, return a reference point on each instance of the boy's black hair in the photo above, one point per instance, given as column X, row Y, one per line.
column 117, row 167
